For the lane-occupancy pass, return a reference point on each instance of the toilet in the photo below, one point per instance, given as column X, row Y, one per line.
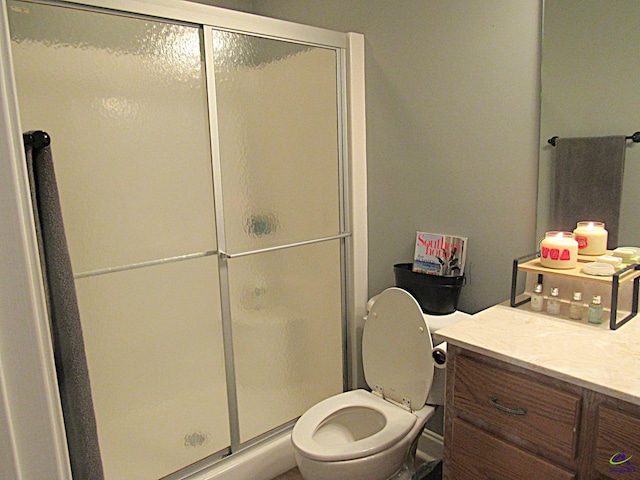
column 362, row 435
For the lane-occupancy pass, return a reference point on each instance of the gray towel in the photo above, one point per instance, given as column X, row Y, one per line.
column 64, row 316
column 588, row 183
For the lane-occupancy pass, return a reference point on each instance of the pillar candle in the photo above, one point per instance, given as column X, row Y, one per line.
column 592, row 238
column 559, row 250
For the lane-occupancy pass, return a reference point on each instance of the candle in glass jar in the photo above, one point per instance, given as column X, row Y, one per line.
column 559, row 250
column 591, row 237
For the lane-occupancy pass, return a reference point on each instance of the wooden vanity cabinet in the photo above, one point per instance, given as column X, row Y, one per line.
column 616, row 440
column 476, row 455
column 504, row 422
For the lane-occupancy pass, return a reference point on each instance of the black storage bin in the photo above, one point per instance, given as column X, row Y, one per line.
column 436, row 295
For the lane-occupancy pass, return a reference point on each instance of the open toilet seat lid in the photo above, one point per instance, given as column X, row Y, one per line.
column 396, row 349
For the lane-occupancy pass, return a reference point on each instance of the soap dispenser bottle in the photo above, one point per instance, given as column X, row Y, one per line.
column 553, row 302
column 595, row 310
column 537, row 299
column 576, row 306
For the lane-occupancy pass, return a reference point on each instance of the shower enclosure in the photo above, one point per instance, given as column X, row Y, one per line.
column 205, row 177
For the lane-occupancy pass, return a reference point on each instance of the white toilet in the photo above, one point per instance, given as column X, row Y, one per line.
column 362, row 435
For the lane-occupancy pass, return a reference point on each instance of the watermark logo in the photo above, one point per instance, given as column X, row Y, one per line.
column 620, row 463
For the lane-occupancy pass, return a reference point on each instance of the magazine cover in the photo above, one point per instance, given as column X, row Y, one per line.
column 438, row 254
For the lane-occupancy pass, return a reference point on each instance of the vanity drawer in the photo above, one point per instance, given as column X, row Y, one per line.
column 477, row 455
column 617, row 441
column 530, row 414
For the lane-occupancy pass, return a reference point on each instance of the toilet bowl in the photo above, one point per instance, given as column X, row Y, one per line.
column 355, row 435
column 362, row 435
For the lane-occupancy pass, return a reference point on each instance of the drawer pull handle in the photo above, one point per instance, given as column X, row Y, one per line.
column 513, row 411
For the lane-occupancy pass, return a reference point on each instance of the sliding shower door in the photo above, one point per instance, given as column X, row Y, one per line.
column 202, row 181
column 124, row 101
column 279, row 158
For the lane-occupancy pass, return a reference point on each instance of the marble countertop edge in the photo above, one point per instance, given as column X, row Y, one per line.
column 593, row 357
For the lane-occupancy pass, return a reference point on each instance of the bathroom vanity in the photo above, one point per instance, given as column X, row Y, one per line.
column 530, row 396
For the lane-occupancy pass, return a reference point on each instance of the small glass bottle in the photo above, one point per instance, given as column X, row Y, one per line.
column 576, row 306
column 595, row 310
column 537, row 299
column 553, row 302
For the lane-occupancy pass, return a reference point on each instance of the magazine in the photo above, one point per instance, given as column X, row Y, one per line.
column 438, row 254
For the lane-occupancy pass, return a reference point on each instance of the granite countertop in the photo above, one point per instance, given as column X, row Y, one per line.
column 590, row 356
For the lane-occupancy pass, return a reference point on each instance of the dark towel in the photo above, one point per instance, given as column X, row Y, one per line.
column 588, row 183
column 64, row 317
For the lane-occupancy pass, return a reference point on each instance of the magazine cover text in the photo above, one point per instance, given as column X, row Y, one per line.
column 438, row 254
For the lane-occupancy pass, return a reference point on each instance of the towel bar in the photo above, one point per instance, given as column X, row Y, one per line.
column 635, row 137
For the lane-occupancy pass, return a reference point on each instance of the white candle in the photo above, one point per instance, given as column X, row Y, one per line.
column 559, row 250
column 591, row 237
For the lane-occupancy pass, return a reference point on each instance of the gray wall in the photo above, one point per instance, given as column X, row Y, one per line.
column 452, row 126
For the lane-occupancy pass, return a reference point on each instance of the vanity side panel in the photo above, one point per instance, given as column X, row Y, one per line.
column 452, row 354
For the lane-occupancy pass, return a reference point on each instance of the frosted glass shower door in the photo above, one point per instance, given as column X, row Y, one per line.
column 279, row 156
column 124, row 100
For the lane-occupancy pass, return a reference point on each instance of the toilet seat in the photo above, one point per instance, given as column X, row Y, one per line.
column 397, row 349
column 397, row 424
